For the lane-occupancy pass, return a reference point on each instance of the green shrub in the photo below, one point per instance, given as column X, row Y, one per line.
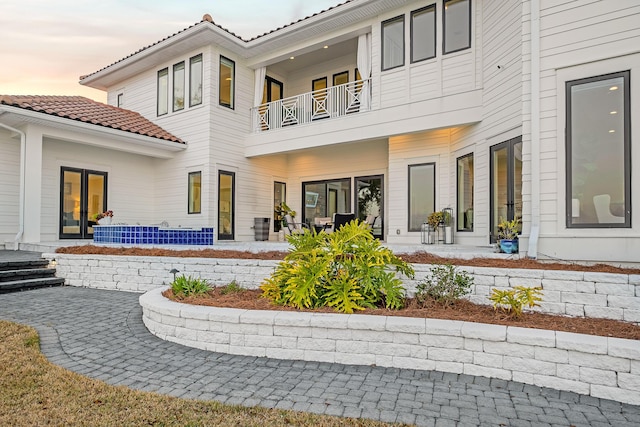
column 444, row 285
column 231, row 288
column 347, row 270
column 514, row 300
column 186, row 286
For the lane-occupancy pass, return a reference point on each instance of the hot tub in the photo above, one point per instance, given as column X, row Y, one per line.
column 152, row 235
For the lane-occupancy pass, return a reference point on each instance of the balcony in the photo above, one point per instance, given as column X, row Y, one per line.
column 329, row 103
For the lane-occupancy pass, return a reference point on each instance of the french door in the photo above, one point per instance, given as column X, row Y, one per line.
column 226, row 202
column 369, row 202
column 83, row 194
column 506, row 183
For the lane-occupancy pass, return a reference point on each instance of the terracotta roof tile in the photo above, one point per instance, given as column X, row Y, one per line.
column 88, row 111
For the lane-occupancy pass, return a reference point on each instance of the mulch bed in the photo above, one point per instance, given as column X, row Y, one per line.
column 463, row 310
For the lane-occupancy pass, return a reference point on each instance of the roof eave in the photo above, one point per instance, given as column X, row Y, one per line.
column 153, row 147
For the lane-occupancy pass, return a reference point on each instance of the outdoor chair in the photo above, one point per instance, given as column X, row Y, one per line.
column 295, row 227
column 602, row 203
column 340, row 219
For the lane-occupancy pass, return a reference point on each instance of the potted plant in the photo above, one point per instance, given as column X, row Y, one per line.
column 281, row 210
column 104, row 218
column 435, row 219
column 508, row 235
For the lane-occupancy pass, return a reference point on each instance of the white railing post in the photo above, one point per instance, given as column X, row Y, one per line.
column 332, row 102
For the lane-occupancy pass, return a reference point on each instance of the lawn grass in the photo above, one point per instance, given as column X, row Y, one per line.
column 35, row 392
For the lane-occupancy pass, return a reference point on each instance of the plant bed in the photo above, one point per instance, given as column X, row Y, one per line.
column 415, row 258
column 250, row 299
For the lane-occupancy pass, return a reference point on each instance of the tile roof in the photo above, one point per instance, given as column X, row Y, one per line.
column 207, row 18
column 88, row 111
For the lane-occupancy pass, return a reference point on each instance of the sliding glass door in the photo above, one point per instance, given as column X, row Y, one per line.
column 83, row 194
column 369, row 202
column 324, row 198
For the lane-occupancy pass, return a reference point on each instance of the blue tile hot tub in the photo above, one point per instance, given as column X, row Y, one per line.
column 152, row 235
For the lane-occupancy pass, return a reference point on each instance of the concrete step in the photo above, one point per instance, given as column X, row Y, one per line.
column 27, row 273
column 20, row 264
column 23, row 285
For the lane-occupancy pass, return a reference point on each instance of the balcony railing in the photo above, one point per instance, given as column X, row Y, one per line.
column 332, row 102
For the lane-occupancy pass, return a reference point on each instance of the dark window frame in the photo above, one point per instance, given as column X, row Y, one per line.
column 444, row 28
column 201, row 62
column 119, row 99
column 232, row 87
column 303, row 217
column 269, row 81
column 464, row 230
column 435, row 32
column 232, row 207
column 184, row 76
column 190, row 193
column 341, row 73
column 626, row 75
column 162, row 73
column 84, row 185
column 399, row 18
column 435, row 187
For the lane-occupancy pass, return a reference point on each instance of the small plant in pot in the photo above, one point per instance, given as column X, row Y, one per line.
column 508, row 235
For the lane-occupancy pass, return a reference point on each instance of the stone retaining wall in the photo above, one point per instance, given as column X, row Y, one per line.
column 602, row 367
column 574, row 293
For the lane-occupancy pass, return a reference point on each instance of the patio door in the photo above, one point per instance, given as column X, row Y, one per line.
column 506, row 183
column 369, row 202
column 226, row 202
column 83, row 194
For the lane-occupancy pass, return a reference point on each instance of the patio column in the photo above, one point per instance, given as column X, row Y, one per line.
column 33, row 185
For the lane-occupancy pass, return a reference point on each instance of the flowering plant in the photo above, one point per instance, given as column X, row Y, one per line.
column 104, row 214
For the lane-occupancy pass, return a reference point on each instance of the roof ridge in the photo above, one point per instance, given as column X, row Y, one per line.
column 207, row 18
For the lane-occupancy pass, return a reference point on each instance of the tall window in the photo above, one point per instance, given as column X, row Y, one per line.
column 457, row 25
column 163, row 91
column 422, row 193
column 120, row 100
column 227, row 75
column 423, row 33
column 599, row 151
column 195, row 80
column 178, row 86
column 195, row 185
column 465, row 193
column 279, row 197
column 393, row 43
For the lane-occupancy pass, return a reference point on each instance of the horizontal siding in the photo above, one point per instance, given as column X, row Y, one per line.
column 130, row 190
column 9, row 185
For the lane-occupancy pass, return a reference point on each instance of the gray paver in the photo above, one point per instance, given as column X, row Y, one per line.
column 100, row 334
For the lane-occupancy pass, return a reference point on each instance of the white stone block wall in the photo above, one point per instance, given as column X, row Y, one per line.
column 573, row 293
column 602, row 367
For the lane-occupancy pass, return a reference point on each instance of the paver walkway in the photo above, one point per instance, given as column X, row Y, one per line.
column 100, row 334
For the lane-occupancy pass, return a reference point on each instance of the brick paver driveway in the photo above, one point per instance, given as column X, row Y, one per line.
column 100, row 334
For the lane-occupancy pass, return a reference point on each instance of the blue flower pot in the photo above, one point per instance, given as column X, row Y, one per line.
column 509, row 246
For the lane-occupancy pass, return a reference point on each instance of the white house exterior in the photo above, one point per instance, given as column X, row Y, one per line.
column 497, row 109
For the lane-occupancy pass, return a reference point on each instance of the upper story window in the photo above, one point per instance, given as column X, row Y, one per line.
column 226, row 84
column 178, row 86
column 456, row 25
column 120, row 100
column 175, row 83
column 393, row 43
column 423, row 33
column 195, row 80
column 599, row 152
column 163, row 91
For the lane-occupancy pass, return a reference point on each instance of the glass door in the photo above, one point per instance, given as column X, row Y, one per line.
column 83, row 195
column 226, row 211
column 506, row 183
column 369, row 206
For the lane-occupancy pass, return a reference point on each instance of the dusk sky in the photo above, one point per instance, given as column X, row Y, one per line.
column 45, row 45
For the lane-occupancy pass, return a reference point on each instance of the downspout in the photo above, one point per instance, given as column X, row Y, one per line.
column 23, row 152
column 532, row 251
